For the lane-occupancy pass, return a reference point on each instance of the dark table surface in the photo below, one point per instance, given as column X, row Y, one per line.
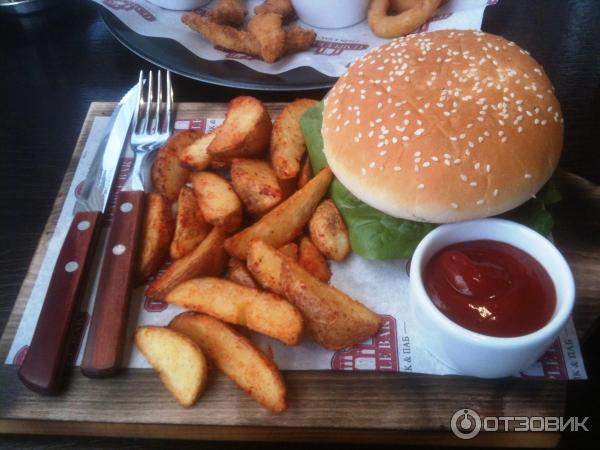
column 54, row 64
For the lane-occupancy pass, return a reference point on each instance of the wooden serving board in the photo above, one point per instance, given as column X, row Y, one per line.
column 323, row 405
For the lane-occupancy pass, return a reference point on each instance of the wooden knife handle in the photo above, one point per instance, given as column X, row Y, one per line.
column 105, row 342
column 43, row 367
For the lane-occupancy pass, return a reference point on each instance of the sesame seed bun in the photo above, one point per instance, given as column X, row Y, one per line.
column 443, row 126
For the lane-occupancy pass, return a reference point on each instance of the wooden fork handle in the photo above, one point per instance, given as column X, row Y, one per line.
column 47, row 356
column 106, row 337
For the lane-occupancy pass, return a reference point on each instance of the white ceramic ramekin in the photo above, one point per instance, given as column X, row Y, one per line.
column 331, row 13
column 472, row 353
column 180, row 5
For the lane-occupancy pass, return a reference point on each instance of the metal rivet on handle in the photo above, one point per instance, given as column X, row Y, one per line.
column 83, row 225
column 119, row 249
column 126, row 207
column 71, row 266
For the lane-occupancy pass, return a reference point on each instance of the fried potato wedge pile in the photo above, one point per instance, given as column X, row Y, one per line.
column 239, row 233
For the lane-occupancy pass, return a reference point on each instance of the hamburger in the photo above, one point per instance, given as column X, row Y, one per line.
column 436, row 127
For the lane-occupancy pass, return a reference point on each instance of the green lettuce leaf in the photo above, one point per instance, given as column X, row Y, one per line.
column 534, row 213
column 376, row 235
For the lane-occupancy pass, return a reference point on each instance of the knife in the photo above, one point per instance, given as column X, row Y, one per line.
column 44, row 365
column 108, row 327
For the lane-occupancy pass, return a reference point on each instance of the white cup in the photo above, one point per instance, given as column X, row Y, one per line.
column 331, row 13
column 472, row 353
column 180, row 5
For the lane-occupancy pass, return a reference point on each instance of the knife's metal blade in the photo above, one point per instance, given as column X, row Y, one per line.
column 93, row 195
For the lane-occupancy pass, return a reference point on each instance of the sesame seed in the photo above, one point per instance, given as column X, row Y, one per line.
column 363, row 171
column 528, row 176
column 488, row 168
column 454, row 205
column 419, row 131
column 372, row 164
column 426, row 164
column 495, row 193
column 477, row 165
column 397, row 168
column 473, row 184
column 463, row 177
column 421, row 186
column 480, row 202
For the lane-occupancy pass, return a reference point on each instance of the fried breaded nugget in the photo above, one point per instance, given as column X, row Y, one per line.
column 298, row 39
column 222, row 35
column 267, row 29
column 228, row 12
column 282, row 7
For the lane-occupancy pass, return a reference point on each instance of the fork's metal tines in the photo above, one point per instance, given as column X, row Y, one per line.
column 153, row 123
column 153, row 119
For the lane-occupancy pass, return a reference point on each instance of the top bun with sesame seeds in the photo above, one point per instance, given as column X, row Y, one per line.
column 443, row 126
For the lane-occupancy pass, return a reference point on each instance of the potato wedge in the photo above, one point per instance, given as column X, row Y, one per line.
column 266, row 266
column 328, row 231
column 287, row 141
column 256, row 184
column 237, row 357
column 238, row 273
column 218, row 202
column 205, row 260
column 282, row 224
column 331, row 318
column 178, row 360
column 190, row 226
column 290, row 250
column 257, row 310
column 194, row 156
column 246, row 130
column 167, row 175
column 305, row 173
column 313, row 261
column 155, row 237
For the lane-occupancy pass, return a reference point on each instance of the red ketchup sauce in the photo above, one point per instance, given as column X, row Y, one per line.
column 491, row 288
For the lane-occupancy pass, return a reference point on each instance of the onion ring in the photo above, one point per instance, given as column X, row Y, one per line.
column 403, row 23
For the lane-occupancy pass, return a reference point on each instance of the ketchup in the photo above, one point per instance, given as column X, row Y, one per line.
column 490, row 287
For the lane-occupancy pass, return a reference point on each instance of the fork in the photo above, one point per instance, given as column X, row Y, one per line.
column 152, row 126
